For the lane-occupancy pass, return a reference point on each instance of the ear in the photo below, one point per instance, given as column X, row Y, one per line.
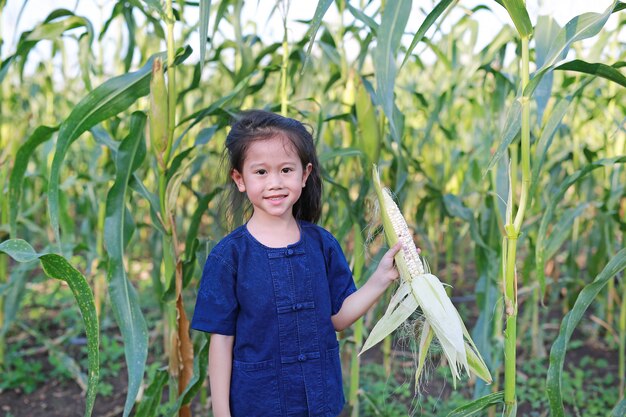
column 306, row 172
column 238, row 178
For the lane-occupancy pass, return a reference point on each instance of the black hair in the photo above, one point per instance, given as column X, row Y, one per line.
column 253, row 125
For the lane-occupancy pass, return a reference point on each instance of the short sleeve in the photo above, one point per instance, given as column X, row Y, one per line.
column 216, row 304
column 340, row 278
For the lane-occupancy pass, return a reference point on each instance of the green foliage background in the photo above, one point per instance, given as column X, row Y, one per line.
column 82, row 184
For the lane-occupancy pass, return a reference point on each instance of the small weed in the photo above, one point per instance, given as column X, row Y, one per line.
column 587, row 389
column 382, row 395
column 24, row 375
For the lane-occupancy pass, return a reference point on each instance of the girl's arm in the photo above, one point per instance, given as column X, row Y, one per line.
column 357, row 303
column 220, row 367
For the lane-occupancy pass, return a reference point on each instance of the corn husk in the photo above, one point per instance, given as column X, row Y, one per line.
column 419, row 288
column 158, row 113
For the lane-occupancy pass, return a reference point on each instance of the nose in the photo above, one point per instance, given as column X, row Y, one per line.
column 275, row 181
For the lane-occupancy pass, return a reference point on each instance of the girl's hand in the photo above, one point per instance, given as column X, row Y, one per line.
column 386, row 272
column 360, row 301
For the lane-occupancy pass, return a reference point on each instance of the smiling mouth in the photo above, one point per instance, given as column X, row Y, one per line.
column 275, row 197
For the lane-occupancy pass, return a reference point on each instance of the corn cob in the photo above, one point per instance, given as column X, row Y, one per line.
column 418, row 288
column 158, row 113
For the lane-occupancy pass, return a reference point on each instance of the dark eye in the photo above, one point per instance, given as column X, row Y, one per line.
column 261, row 171
column 287, row 170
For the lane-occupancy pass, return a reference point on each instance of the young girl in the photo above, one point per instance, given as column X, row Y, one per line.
column 275, row 290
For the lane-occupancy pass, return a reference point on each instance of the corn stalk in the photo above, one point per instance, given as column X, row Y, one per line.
column 163, row 122
column 284, row 96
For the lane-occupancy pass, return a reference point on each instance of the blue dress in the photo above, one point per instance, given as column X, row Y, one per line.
column 277, row 302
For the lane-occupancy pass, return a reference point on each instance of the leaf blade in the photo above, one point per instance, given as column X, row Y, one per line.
column 39, row 136
column 430, row 19
column 125, row 302
column 568, row 325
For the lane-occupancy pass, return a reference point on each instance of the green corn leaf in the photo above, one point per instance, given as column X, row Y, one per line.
column 432, row 17
column 546, row 220
column 511, row 129
column 56, row 266
column 152, row 396
column 49, row 29
column 214, row 108
column 4, row 68
column 52, row 29
column 107, row 100
column 455, row 208
column 173, row 185
column 205, row 12
column 116, row 11
column 561, row 230
column 568, row 325
column 545, row 30
column 200, row 368
column 219, row 15
column 124, row 300
column 358, row 14
column 598, row 69
column 39, row 136
column 84, row 59
column 19, row 249
column 545, row 140
column 156, row 5
column 519, row 15
column 580, row 27
column 394, row 19
column 131, row 25
column 177, row 162
column 13, row 294
column 196, row 218
column 478, row 405
column 619, row 410
column 316, row 22
column 339, row 153
column 103, row 138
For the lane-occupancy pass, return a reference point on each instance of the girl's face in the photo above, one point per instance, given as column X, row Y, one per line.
column 272, row 177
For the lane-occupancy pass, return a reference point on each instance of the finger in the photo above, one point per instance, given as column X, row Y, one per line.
column 394, row 249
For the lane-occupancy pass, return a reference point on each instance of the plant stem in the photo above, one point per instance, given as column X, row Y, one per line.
column 510, row 333
column 355, row 363
column 622, row 344
column 99, row 289
column 355, row 366
column 169, row 261
column 285, row 63
column 525, row 132
column 510, row 248
column 4, row 274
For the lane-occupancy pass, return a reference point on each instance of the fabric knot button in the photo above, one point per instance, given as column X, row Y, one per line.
column 301, row 358
column 297, row 307
column 289, row 252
